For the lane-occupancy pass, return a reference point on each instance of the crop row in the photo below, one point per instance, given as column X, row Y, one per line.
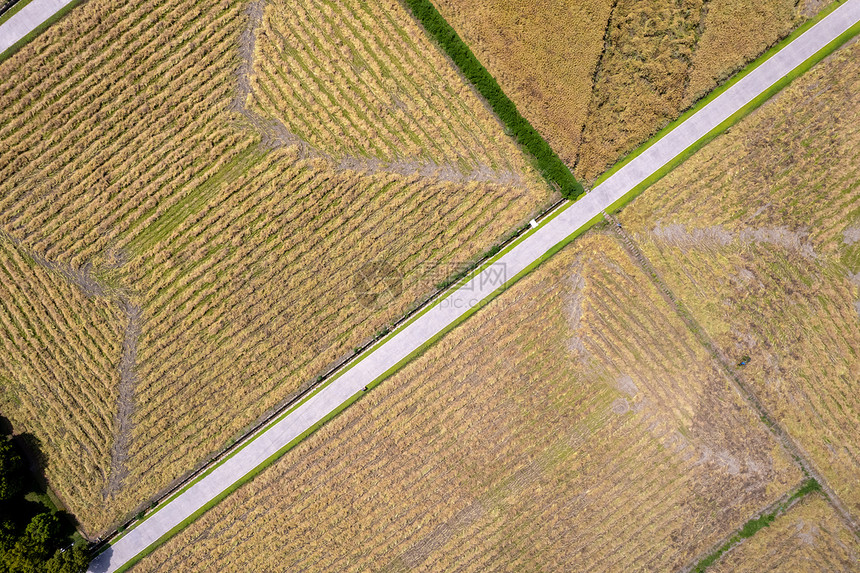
column 393, row 97
column 60, row 374
column 236, row 290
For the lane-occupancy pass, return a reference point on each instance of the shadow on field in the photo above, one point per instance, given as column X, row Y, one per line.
column 36, row 498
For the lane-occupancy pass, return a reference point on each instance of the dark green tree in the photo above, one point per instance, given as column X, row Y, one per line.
column 11, row 471
column 72, row 560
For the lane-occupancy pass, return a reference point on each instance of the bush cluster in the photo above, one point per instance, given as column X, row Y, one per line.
column 32, row 538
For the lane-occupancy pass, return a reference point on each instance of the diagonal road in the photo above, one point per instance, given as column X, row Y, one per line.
column 28, row 19
column 554, row 231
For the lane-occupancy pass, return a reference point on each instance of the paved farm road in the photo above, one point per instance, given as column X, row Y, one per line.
column 26, row 20
column 550, row 234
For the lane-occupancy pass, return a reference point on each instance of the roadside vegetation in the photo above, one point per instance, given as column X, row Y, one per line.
column 34, row 536
column 757, row 234
column 810, row 536
column 197, row 258
column 574, row 424
column 546, row 160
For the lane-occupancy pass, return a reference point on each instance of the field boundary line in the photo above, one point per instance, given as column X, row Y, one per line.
column 753, row 525
column 556, row 231
column 547, row 161
column 782, row 436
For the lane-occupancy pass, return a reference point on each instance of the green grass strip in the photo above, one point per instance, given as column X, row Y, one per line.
column 13, row 10
column 194, row 200
column 752, row 526
column 38, row 29
column 712, row 95
column 547, row 161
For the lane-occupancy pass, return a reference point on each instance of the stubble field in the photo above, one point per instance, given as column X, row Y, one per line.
column 575, row 424
column 214, row 253
column 757, row 234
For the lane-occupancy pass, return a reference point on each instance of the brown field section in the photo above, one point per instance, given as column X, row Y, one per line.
column 758, row 235
column 575, row 424
column 597, row 77
column 809, row 538
column 212, row 255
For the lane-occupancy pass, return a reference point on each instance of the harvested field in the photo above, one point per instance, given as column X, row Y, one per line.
column 395, row 97
column 234, row 251
column 735, row 30
column 575, row 424
column 755, row 233
column 59, row 375
column 660, row 57
column 809, row 538
column 598, row 77
column 543, row 54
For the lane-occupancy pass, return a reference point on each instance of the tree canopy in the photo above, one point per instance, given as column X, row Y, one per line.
column 33, row 539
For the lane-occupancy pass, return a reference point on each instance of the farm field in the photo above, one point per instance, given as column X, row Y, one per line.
column 67, row 395
column 598, row 77
column 214, row 250
column 809, row 538
column 758, row 235
column 574, row 424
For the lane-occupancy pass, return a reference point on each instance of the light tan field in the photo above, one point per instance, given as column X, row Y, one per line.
column 809, row 538
column 574, row 424
column 543, row 54
column 758, row 235
column 216, row 258
column 598, row 77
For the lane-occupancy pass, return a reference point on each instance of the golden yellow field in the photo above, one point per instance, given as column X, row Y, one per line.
column 734, row 31
column 214, row 257
column 543, row 54
column 758, row 235
column 574, row 424
column 388, row 78
column 61, row 351
column 660, row 57
column 809, row 538
column 596, row 78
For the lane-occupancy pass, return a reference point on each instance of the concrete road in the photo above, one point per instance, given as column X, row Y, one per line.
column 27, row 19
column 457, row 303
